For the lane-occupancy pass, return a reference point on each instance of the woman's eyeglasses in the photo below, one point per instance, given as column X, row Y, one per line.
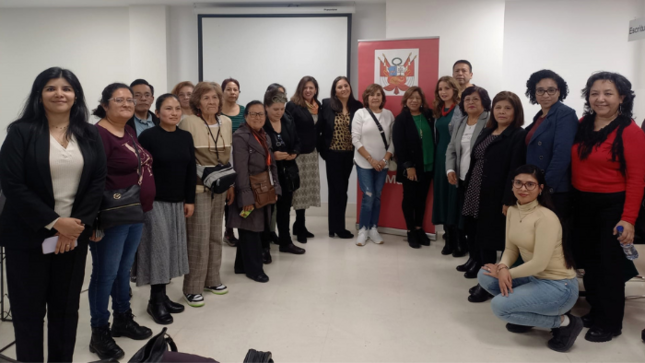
column 530, row 186
column 541, row 91
column 256, row 114
column 121, row 100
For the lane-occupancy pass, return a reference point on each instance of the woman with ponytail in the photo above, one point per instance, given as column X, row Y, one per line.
column 608, row 176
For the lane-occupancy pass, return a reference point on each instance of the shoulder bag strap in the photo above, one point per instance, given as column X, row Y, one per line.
column 380, row 129
column 136, row 151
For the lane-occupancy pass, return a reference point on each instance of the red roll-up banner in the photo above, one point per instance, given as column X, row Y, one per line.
column 397, row 64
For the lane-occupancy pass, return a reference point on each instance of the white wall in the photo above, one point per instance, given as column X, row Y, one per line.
column 100, row 45
column 545, row 34
column 467, row 29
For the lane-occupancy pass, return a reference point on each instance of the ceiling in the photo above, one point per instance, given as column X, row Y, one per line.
column 108, row 3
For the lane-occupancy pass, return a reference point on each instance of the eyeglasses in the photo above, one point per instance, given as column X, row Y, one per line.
column 551, row 91
column 142, row 95
column 256, row 114
column 120, row 100
column 530, row 186
column 279, row 141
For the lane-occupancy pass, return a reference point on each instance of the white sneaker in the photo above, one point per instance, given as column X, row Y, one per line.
column 362, row 237
column 375, row 236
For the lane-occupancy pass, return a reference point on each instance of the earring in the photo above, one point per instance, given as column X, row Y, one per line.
column 540, row 193
column 620, row 109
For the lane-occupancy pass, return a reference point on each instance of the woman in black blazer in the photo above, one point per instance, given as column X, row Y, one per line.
column 414, row 152
column 52, row 168
column 498, row 151
column 336, row 148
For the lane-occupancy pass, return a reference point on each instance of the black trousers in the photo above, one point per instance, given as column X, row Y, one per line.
column 283, row 210
column 248, row 259
column 339, row 165
column 599, row 253
column 481, row 255
column 45, row 284
column 415, row 195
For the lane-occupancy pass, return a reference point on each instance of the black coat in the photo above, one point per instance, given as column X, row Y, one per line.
column 288, row 175
column 326, row 120
column 305, row 126
column 155, row 120
column 27, row 183
column 503, row 156
column 408, row 147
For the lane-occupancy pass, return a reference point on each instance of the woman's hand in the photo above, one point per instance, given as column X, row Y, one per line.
column 65, row 244
column 375, row 164
column 250, row 207
column 94, row 238
column 412, row 173
column 491, row 270
column 230, row 195
column 292, row 156
column 505, row 280
column 628, row 233
column 189, row 209
column 280, row 155
column 504, row 210
column 70, row 227
column 382, row 164
column 452, row 178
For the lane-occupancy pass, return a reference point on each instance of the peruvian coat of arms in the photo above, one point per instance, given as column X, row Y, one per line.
column 396, row 69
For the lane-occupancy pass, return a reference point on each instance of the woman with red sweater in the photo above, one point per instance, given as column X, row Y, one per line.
column 608, row 175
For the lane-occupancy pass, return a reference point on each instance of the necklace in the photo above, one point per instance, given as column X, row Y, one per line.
column 60, row 128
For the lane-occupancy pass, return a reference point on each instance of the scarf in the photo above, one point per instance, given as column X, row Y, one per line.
column 312, row 107
column 445, row 113
column 261, row 137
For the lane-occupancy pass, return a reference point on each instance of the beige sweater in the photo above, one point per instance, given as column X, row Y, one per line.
column 535, row 233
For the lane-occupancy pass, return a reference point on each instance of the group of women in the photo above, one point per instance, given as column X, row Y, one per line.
column 583, row 181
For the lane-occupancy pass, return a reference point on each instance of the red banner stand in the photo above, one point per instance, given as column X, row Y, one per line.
column 397, row 64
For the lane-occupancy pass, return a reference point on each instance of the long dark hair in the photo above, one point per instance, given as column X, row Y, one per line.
column 546, row 200
column 335, row 104
column 587, row 138
column 33, row 111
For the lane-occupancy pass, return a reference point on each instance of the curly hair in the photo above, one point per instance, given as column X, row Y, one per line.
column 438, row 104
column 623, row 86
column 536, row 77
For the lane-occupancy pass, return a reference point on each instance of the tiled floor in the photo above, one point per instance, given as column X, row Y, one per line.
column 343, row 303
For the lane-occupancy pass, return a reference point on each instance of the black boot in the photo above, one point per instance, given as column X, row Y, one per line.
column 599, row 335
column 447, row 236
column 463, row 268
column 422, row 237
column 588, row 320
column 124, row 325
column 299, row 226
column 472, row 272
column 273, row 237
column 173, row 307
column 460, row 243
column 266, row 256
column 104, row 345
column 157, row 309
column 412, row 240
column 479, row 295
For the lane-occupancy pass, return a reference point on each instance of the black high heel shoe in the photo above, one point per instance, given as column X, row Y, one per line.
column 342, row 234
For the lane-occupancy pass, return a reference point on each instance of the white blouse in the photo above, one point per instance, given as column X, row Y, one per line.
column 366, row 134
column 66, row 165
column 464, row 163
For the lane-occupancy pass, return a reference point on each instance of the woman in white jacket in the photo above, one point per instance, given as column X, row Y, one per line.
column 372, row 139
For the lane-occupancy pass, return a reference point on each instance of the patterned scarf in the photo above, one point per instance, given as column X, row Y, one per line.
column 312, row 107
column 261, row 137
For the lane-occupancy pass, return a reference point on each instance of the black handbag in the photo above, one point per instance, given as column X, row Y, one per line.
column 291, row 177
column 218, row 178
column 154, row 350
column 122, row 206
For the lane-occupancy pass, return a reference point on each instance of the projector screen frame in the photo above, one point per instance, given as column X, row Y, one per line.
column 200, row 17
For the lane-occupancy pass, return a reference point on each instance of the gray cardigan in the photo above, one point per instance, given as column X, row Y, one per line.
column 249, row 158
column 457, row 127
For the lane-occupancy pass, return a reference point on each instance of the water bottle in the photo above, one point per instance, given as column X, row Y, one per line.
column 629, row 249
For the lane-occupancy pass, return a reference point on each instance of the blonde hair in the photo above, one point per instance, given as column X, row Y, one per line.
column 438, row 104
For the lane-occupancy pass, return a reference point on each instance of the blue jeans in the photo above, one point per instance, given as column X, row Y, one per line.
column 533, row 302
column 112, row 259
column 371, row 183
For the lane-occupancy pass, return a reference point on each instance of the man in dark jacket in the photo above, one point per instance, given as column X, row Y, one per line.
column 144, row 94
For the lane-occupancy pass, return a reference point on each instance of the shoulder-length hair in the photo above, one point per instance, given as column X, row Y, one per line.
column 298, row 97
column 202, row 88
column 33, row 111
column 483, row 95
column 371, row 91
column 410, row 91
column 518, row 111
column 180, row 85
column 335, row 103
column 438, row 104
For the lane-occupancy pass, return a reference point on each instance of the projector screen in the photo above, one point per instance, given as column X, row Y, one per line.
column 258, row 50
